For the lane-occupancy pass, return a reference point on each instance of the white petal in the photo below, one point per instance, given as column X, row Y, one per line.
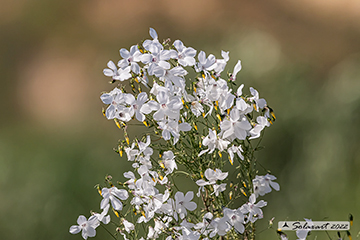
column 75, row 229
column 81, row 219
column 153, row 33
column 107, row 72
column 124, row 53
column 112, row 65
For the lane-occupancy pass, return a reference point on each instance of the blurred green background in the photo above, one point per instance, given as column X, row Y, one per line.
column 55, row 145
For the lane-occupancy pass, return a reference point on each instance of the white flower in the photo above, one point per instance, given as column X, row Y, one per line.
column 235, row 218
column 213, row 176
column 243, row 107
column 115, row 98
column 131, row 58
column 262, row 123
column 183, row 203
column 196, row 108
column 131, row 152
column 219, row 226
column 137, row 106
column 185, row 55
column 114, row 196
column 155, row 231
column 226, row 101
column 172, row 127
column 215, row 89
column 220, row 64
column 152, row 45
column 117, row 74
column 132, row 179
column 205, row 224
column 128, row 225
column 218, row 188
column 157, row 58
column 260, row 103
column 111, row 71
column 144, row 146
column 236, row 127
column 212, row 141
column 175, row 75
column 168, row 162
column 188, row 234
column 253, row 209
column 167, row 106
column 86, row 226
column 204, row 63
column 234, row 149
column 237, row 69
column 262, row 184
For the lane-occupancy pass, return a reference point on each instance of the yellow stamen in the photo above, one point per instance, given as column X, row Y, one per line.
column 203, row 114
column 103, row 112
column 194, row 89
column 349, row 235
column 219, row 117
column 127, row 140
column 195, row 126
column 351, row 218
column 243, row 192
column 230, row 195
column 228, row 111
column 231, row 161
column 162, row 165
column 220, row 154
column 244, row 184
column 201, row 174
column 145, row 123
column 99, row 190
column 273, row 114
column 117, row 123
column 200, row 144
column 136, row 80
column 203, row 76
column 116, row 213
column 121, row 153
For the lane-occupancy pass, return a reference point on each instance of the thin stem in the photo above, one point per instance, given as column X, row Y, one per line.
column 108, row 231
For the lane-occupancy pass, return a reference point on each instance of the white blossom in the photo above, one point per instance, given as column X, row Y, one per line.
column 184, row 203
column 87, row 227
column 113, row 195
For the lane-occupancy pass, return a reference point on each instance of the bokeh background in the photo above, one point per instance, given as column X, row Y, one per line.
column 55, row 145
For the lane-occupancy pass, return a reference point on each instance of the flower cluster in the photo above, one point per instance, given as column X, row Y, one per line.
column 192, row 124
